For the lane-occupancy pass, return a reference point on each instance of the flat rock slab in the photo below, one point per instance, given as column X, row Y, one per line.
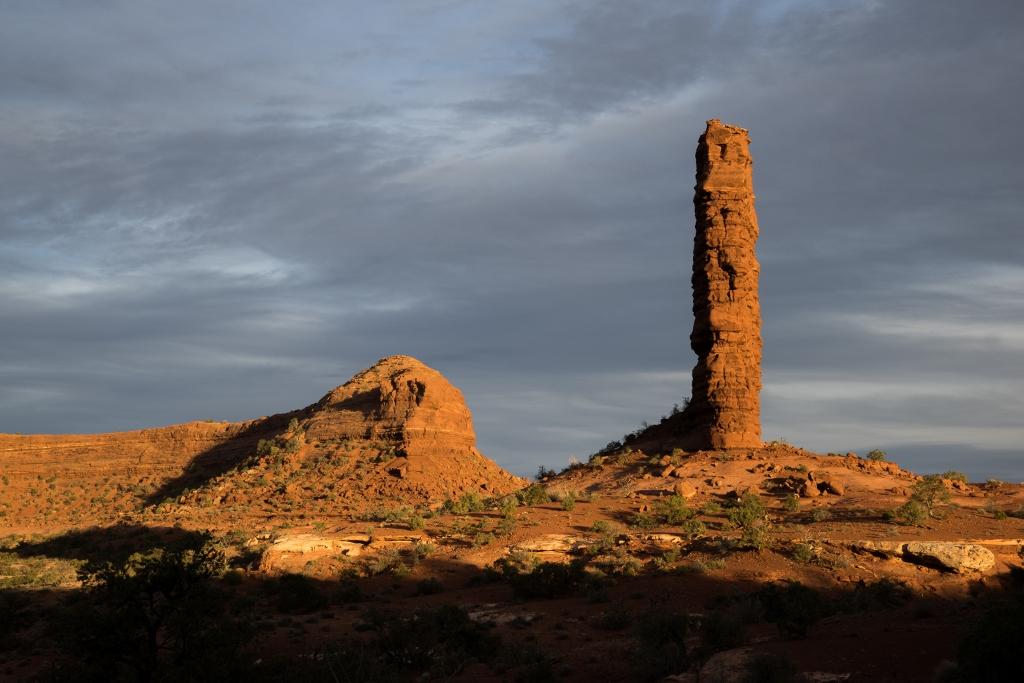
column 950, row 556
column 551, row 547
column 956, row 557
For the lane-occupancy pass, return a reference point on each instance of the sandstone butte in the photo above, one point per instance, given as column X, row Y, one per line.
column 724, row 411
column 397, row 430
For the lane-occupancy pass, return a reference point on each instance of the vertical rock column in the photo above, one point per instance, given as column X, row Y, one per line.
column 725, row 404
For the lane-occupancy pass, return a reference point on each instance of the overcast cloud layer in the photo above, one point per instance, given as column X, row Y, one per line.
column 223, row 209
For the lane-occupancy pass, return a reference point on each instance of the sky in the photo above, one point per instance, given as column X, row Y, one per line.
column 216, row 209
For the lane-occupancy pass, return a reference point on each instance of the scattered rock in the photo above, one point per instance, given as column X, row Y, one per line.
column 684, row 489
column 832, row 486
column 809, row 490
column 667, row 471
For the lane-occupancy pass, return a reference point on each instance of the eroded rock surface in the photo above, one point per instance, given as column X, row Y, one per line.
column 725, row 407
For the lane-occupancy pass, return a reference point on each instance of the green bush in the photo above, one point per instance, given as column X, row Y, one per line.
column 802, row 553
column 673, row 510
column 534, row 494
column 468, row 502
column 876, row 455
column 791, row 503
column 924, row 497
column 750, row 517
column 530, row 580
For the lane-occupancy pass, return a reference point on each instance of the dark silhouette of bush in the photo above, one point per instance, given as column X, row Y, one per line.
column 297, row 594
column 662, row 639
column 156, row 616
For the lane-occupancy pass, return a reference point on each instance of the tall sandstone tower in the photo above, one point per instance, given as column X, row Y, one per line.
column 725, row 404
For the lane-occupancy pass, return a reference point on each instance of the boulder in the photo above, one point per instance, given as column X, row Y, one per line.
column 684, row 489
column 833, row 486
column 809, row 490
column 667, row 471
column 961, row 558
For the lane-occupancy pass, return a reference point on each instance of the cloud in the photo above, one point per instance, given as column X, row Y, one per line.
column 223, row 211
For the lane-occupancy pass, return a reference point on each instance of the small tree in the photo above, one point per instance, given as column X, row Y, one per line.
column 157, row 615
column 876, row 455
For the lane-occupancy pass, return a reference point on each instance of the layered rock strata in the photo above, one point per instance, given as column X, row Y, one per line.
column 725, row 408
column 398, row 430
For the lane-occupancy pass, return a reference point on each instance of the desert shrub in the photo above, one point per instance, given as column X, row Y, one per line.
column 297, row 594
column 723, row 629
column 792, row 607
column 266, row 447
column 712, row 508
column 468, row 502
column 348, row 592
column 930, row 491
column 990, row 647
column 661, row 635
column 673, row 510
column 693, row 528
column 35, row 572
column 400, row 515
column 821, row 515
column 436, row 643
column 388, row 561
column 508, row 506
column 875, row 454
column 421, row 550
column 619, row 563
column 802, row 553
column 912, row 512
column 157, row 615
column 483, row 538
column 532, row 580
column 954, row 475
column 749, row 516
column 791, row 503
column 882, row 594
column 534, row 494
column 506, row 526
column 544, row 473
column 748, row 511
column 925, row 495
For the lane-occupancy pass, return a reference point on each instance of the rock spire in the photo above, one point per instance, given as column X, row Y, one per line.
column 725, row 406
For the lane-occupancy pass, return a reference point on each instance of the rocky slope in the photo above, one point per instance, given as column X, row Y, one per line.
column 397, row 430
